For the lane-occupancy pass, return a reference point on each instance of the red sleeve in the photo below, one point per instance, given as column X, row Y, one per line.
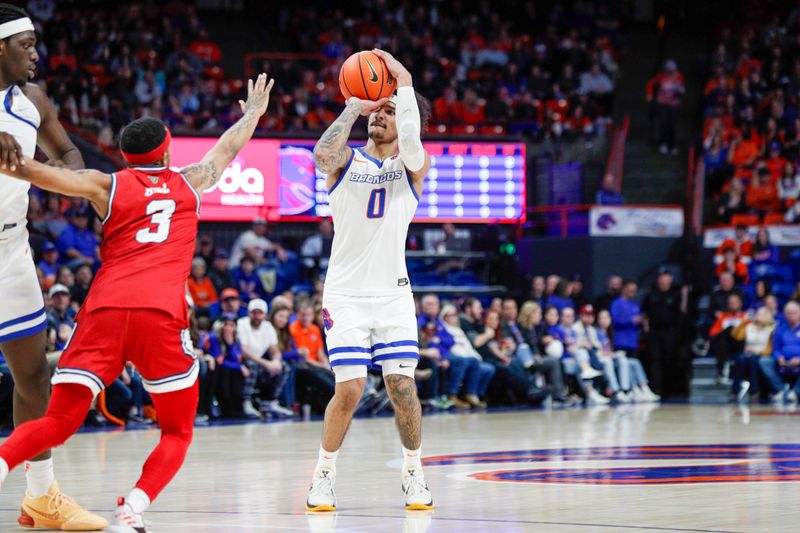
column 717, row 327
column 746, row 249
column 651, row 84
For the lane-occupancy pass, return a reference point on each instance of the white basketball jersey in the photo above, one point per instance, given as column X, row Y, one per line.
column 20, row 118
column 372, row 205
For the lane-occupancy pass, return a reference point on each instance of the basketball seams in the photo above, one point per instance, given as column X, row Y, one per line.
column 361, row 73
column 343, row 79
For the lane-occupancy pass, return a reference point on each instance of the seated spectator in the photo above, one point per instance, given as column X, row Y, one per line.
column 530, row 325
column 205, row 248
column 83, row 282
column 477, row 385
column 723, row 346
column 731, row 202
column 615, row 372
column 761, row 291
column 762, row 195
column 77, row 244
column 230, row 303
column 636, row 377
column 459, row 368
column 255, row 244
column 596, row 82
column 60, row 310
column 219, row 274
column 732, row 264
column 65, row 277
column 200, row 287
column 757, row 336
column 784, row 365
column 49, row 263
column 608, row 193
column 223, row 344
column 537, row 290
column 764, row 252
column 447, row 107
column 743, row 150
column 719, row 297
column 264, row 361
column 740, row 243
column 498, row 351
column 575, row 362
column 789, row 187
column 247, row 281
column 316, row 249
column 205, row 49
column 561, row 299
column 314, row 379
column 447, row 239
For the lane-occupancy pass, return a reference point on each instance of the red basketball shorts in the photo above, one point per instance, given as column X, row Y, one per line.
column 103, row 340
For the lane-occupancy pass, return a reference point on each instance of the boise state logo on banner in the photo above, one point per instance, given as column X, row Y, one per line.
column 737, row 463
column 606, row 221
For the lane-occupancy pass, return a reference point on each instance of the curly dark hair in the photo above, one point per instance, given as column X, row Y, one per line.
column 142, row 135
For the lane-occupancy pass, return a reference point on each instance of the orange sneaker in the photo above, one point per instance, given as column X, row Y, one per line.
column 56, row 510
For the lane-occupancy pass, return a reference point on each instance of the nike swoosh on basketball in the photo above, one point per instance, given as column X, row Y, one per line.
column 374, row 77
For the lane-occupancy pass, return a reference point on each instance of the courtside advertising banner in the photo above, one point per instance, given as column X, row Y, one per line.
column 277, row 180
column 779, row 234
column 635, row 221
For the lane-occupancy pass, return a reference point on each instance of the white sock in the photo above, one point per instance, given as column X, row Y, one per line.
column 40, row 477
column 3, row 470
column 327, row 459
column 138, row 501
column 412, row 458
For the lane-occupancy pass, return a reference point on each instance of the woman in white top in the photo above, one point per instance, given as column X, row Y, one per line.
column 757, row 336
column 477, row 383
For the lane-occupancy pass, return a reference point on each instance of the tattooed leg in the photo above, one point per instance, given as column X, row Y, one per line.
column 408, row 412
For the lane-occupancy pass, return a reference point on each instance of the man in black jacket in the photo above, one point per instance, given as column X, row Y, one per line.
column 664, row 308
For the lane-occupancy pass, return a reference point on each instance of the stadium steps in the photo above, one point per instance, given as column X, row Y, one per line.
column 703, row 386
column 648, row 176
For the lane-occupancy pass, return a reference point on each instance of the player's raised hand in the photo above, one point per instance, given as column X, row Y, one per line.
column 396, row 68
column 257, row 95
column 365, row 107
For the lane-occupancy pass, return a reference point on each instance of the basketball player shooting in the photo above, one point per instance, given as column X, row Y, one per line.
column 136, row 308
column 28, row 119
column 368, row 307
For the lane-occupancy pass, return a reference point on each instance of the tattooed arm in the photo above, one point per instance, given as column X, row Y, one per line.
column 331, row 152
column 206, row 173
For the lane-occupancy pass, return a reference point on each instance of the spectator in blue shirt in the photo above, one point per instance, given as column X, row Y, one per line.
column 49, row 263
column 77, row 243
column 784, row 365
column 224, row 346
column 247, row 281
column 626, row 317
column 560, row 298
column 764, row 252
column 608, row 193
column 60, row 310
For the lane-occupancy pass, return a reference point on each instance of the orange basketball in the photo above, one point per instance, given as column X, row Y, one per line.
column 364, row 75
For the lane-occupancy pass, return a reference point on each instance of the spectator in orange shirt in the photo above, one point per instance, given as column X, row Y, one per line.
column 319, row 118
column 776, row 163
column 447, row 108
column 307, row 336
column 722, row 344
column 207, row 50
column 742, row 151
column 200, row 286
column 762, row 195
column 741, row 244
column 731, row 263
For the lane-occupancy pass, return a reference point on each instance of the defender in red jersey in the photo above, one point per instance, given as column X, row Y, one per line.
column 136, row 308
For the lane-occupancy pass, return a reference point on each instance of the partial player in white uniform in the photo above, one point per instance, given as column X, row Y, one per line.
column 28, row 119
column 368, row 308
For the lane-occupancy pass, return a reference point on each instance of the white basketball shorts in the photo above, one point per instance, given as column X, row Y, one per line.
column 22, row 311
column 363, row 332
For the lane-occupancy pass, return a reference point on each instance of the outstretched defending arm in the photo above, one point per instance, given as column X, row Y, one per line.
column 206, row 173
column 331, row 151
column 90, row 184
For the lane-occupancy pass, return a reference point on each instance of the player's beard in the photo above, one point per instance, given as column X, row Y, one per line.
column 379, row 135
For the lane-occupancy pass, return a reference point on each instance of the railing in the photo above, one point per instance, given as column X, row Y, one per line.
column 616, row 155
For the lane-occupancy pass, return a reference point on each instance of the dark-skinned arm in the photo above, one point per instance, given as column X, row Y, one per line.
column 52, row 138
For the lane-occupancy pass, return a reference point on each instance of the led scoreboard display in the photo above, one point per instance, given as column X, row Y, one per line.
column 277, row 179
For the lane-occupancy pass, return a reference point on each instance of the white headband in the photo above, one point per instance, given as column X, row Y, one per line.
column 13, row 27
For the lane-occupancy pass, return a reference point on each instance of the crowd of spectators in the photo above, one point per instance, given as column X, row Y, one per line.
column 751, row 133
column 547, row 71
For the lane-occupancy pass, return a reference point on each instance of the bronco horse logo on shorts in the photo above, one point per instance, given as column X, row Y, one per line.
column 735, row 463
column 326, row 319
